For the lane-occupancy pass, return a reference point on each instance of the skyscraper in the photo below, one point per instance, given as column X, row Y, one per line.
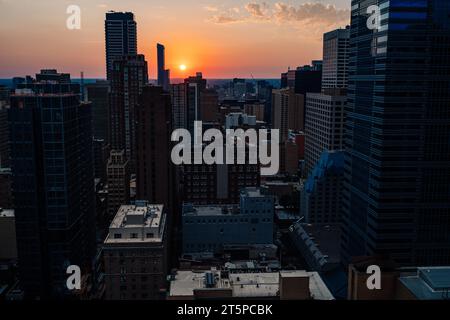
column 51, row 152
column 154, row 128
column 118, row 176
column 163, row 74
column 178, row 93
column 120, row 37
column 98, row 94
column 287, row 111
column 335, row 58
column 397, row 167
column 324, row 111
column 194, row 86
column 130, row 74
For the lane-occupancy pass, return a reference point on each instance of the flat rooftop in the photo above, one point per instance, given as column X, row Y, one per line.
column 6, row 213
column 429, row 283
column 210, row 210
column 244, row 285
column 137, row 223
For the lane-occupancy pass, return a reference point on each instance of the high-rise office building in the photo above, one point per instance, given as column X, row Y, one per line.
column 335, row 58
column 98, row 94
column 324, row 126
column 118, row 177
column 120, row 37
column 163, row 74
column 154, row 165
column 324, row 112
column 53, row 189
column 214, row 184
column 130, row 74
column 397, row 166
column 194, row 86
column 135, row 253
column 287, row 111
column 178, row 94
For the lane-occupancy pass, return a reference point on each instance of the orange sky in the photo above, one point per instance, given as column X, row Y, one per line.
column 222, row 39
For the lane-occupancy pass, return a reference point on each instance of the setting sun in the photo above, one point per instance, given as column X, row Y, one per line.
column 183, row 67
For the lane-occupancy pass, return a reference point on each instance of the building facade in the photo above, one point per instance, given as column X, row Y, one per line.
column 120, row 37
column 396, row 199
column 135, row 253
column 53, row 189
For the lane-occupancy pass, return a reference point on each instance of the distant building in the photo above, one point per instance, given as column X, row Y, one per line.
column 238, row 120
column 218, row 184
column 288, row 111
column 178, row 93
column 118, row 177
column 335, row 58
column 194, row 86
column 209, row 105
column 163, row 74
column 52, row 75
column 214, row 284
column 255, row 109
column 98, row 94
column 8, row 247
column 324, row 127
column 135, row 253
column 321, row 196
column 129, row 76
column 209, row 228
column 120, row 37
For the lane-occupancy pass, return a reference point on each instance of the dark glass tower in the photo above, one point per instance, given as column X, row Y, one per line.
column 397, row 197
column 53, row 189
column 120, row 37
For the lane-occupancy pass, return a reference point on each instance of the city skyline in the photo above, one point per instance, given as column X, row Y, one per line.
column 221, row 39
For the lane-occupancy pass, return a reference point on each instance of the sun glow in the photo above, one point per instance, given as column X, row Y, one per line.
column 182, row 67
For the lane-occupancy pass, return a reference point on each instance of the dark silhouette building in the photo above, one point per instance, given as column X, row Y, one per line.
column 154, row 165
column 163, row 74
column 53, row 189
column 120, row 37
column 98, row 94
column 130, row 74
column 397, row 167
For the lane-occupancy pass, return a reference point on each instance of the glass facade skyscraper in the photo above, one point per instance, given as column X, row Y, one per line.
column 120, row 37
column 397, row 167
column 53, row 185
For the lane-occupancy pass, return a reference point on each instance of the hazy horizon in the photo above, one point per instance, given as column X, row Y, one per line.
column 222, row 39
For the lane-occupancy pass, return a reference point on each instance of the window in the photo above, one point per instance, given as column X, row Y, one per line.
column 134, row 236
column 117, row 236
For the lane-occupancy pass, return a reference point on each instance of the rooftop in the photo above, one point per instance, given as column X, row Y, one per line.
column 141, row 222
column 243, row 285
column 210, row 210
column 429, row 283
column 6, row 213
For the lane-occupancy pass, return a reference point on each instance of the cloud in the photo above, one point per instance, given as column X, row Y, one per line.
column 256, row 9
column 283, row 13
column 211, row 9
column 310, row 12
column 224, row 19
